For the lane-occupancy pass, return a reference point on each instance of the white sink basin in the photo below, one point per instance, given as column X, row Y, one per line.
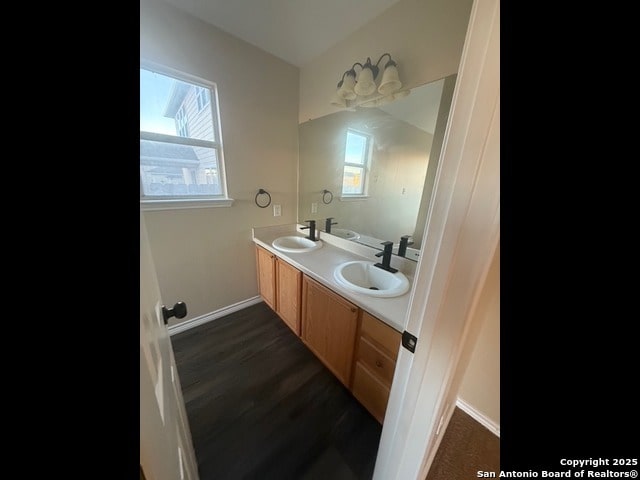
column 363, row 277
column 345, row 233
column 295, row 244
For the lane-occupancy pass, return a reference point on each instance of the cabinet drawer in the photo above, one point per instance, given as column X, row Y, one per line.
column 370, row 391
column 379, row 363
column 381, row 334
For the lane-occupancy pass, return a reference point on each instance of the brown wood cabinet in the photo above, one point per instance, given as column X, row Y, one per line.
column 266, row 266
column 288, row 294
column 375, row 363
column 329, row 324
column 359, row 349
column 280, row 286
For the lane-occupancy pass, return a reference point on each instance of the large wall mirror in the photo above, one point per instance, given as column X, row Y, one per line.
column 372, row 169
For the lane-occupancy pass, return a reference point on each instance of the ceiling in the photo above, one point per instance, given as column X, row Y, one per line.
column 296, row 31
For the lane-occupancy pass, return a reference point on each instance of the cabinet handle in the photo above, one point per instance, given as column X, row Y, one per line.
column 353, row 309
column 378, row 363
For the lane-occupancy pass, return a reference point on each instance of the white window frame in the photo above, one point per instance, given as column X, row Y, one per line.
column 365, row 167
column 188, row 201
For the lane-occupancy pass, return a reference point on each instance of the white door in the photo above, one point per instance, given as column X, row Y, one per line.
column 460, row 240
column 166, row 451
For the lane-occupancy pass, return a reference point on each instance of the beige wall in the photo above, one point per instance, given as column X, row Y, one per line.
column 480, row 386
column 205, row 257
column 425, row 37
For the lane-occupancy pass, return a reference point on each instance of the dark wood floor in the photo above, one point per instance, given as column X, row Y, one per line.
column 466, row 448
column 260, row 405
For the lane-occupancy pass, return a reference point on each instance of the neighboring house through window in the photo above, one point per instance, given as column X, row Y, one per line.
column 180, row 139
column 356, row 163
column 181, row 122
column 203, row 97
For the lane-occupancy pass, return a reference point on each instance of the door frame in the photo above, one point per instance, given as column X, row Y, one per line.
column 461, row 235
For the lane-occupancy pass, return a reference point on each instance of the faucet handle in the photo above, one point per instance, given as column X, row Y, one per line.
column 387, row 248
column 386, row 257
column 404, row 241
column 312, row 230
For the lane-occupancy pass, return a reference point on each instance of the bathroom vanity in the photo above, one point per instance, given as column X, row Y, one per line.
column 356, row 335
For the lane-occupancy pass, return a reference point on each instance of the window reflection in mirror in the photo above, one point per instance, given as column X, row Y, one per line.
column 356, row 162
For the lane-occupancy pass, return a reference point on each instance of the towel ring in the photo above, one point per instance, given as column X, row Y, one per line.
column 262, row 191
column 324, row 197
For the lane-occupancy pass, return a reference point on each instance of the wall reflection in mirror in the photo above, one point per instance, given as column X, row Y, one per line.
column 378, row 165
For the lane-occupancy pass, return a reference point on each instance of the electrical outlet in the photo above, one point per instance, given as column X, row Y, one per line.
column 314, row 207
column 277, row 210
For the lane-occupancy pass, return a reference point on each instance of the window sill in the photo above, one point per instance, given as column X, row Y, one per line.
column 353, row 198
column 184, row 203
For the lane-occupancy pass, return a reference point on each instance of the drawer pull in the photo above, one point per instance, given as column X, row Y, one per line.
column 378, row 363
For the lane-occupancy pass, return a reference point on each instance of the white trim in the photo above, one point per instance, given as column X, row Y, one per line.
column 479, row 417
column 175, row 73
column 448, row 413
column 208, row 317
column 182, row 203
column 217, row 125
column 353, row 198
column 188, row 141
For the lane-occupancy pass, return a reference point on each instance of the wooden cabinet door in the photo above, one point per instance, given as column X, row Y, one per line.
column 288, row 294
column 329, row 324
column 266, row 266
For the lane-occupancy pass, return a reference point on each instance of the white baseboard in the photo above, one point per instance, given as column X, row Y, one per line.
column 479, row 417
column 208, row 317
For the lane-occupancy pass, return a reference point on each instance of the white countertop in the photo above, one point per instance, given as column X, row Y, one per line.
column 321, row 263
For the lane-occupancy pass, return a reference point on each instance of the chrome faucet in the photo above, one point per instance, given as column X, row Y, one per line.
column 312, row 230
column 386, row 258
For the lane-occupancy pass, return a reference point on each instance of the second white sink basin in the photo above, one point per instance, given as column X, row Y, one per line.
column 363, row 277
column 295, row 244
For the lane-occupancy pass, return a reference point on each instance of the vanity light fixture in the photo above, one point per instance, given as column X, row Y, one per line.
column 361, row 90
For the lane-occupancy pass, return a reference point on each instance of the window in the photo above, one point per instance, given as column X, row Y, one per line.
column 180, row 143
column 181, row 123
column 356, row 163
column 203, row 97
